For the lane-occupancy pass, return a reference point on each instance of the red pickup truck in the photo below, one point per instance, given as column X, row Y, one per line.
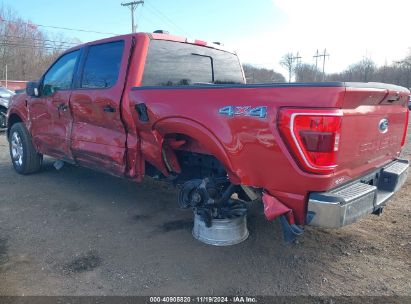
column 154, row 104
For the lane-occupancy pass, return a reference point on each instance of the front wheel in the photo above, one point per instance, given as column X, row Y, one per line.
column 22, row 152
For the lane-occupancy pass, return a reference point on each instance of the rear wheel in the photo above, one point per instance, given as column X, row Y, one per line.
column 23, row 155
column 3, row 118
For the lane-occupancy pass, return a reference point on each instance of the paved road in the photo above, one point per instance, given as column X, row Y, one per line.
column 78, row 232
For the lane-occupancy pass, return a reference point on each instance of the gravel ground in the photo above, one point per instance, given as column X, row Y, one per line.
column 78, row 232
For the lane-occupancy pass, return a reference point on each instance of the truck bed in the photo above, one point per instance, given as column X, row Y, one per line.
column 252, row 149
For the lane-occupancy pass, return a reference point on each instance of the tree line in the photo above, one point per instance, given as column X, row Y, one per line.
column 366, row 70
column 399, row 72
column 255, row 74
column 26, row 50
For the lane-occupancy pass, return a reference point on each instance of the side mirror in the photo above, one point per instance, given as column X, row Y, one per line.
column 32, row 89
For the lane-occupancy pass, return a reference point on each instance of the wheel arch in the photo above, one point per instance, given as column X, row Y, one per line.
column 199, row 139
column 12, row 119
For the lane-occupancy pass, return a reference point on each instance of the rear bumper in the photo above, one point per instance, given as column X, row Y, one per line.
column 345, row 205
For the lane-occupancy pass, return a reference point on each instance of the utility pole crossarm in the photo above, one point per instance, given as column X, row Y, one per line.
column 323, row 55
column 132, row 6
column 297, row 59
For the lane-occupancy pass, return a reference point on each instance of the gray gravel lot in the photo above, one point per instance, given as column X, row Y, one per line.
column 78, row 232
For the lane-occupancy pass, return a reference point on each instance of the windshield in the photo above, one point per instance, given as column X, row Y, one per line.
column 171, row 63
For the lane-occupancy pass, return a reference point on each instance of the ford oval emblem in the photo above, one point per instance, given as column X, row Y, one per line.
column 383, row 126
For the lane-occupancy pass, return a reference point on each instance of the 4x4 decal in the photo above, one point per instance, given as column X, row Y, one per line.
column 231, row 111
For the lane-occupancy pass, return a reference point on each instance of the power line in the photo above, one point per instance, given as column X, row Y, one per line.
column 40, row 39
column 78, row 30
column 154, row 23
column 156, row 17
column 36, row 44
column 132, row 6
column 58, row 27
column 164, row 17
column 19, row 45
column 31, row 45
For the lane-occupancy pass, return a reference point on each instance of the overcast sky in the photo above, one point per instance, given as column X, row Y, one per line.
column 261, row 31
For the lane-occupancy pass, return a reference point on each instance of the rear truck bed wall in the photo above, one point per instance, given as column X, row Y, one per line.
column 251, row 148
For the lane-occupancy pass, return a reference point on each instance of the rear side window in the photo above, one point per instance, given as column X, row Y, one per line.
column 102, row 65
column 171, row 63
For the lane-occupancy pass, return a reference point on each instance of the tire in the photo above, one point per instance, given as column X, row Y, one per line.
column 3, row 113
column 23, row 155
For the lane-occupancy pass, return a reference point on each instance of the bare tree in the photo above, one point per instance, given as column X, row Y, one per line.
column 25, row 49
column 404, row 66
column 306, row 72
column 366, row 70
column 261, row 75
column 287, row 62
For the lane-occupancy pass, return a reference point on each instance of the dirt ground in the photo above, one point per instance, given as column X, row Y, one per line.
column 78, row 232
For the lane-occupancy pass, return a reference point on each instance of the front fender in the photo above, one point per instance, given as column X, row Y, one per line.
column 17, row 111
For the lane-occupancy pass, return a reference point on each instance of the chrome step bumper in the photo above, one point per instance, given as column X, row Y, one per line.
column 345, row 205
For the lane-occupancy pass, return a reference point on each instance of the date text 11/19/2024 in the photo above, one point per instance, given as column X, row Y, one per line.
column 203, row 299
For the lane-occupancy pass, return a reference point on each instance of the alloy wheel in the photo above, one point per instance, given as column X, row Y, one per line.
column 17, row 149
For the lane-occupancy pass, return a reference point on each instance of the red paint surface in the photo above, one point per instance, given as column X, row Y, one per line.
column 273, row 208
column 250, row 148
column 49, row 126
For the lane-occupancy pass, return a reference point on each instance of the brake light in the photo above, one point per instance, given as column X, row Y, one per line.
column 313, row 137
column 404, row 135
column 200, row 42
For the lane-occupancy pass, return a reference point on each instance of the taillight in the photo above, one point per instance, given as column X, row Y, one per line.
column 404, row 135
column 313, row 137
column 200, row 42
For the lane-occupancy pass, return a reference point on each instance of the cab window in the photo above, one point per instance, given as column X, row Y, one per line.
column 60, row 75
column 102, row 65
column 172, row 63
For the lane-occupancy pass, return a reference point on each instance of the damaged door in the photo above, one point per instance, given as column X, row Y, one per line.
column 49, row 114
column 98, row 137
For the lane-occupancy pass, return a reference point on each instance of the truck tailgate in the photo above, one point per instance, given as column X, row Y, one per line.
column 373, row 127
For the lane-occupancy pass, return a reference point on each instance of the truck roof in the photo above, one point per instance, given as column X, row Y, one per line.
column 156, row 36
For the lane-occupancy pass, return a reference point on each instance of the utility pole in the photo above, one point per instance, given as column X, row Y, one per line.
column 297, row 59
column 324, row 55
column 316, row 65
column 132, row 6
column 316, row 62
column 287, row 61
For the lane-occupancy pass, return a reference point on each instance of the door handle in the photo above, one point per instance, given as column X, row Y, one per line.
column 141, row 109
column 62, row 107
column 109, row 109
